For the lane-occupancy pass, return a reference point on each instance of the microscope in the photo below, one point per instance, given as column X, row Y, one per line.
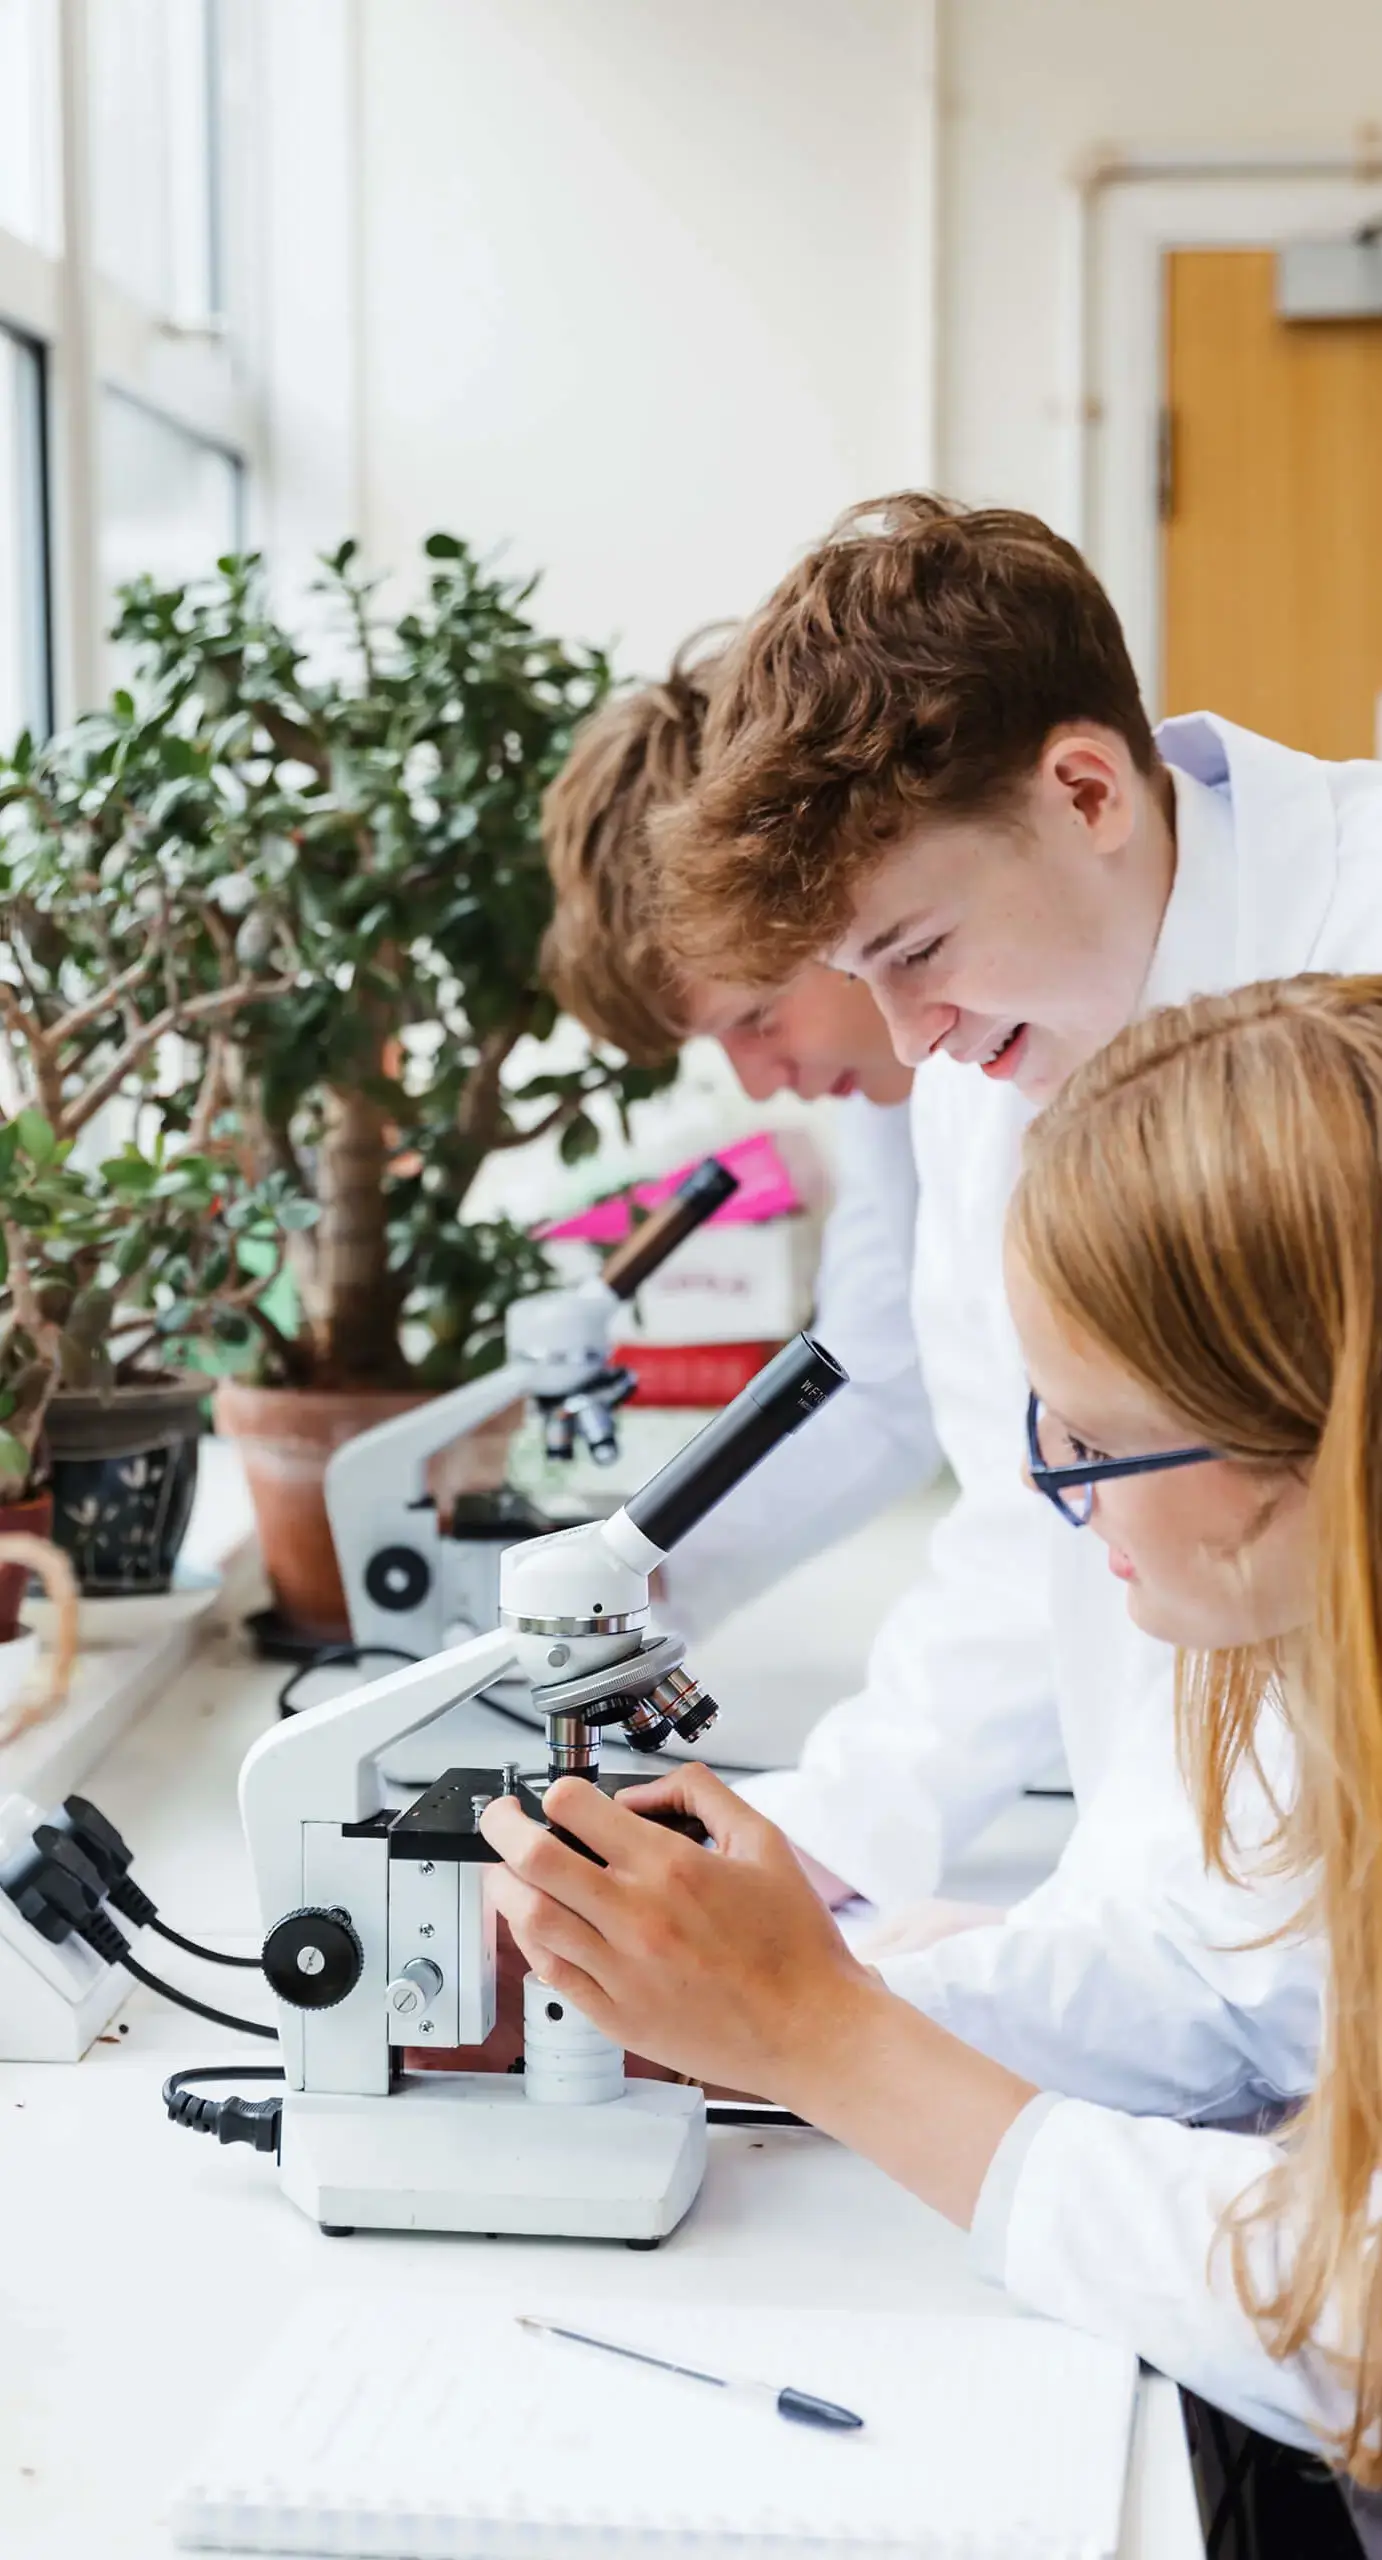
column 415, row 1582
column 379, row 1931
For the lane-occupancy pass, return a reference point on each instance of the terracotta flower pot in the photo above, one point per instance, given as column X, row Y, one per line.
column 32, row 1519
column 285, row 1436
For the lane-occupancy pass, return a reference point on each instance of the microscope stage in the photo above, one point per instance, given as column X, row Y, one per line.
column 470, row 2151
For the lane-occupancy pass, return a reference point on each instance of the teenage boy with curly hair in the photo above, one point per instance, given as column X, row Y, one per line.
column 928, row 763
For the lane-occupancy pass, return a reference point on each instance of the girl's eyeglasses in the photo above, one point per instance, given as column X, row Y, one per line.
column 1072, row 1488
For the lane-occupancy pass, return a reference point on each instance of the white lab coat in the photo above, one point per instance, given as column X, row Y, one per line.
column 1110, row 2222
column 1125, row 1979
column 875, row 1440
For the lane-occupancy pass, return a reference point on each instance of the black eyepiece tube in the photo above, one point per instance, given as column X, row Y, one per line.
column 785, row 1394
column 697, row 1198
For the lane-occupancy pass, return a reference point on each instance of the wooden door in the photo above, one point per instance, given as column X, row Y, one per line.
column 1272, row 509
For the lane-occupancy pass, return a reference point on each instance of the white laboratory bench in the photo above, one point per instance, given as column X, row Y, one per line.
column 142, row 2266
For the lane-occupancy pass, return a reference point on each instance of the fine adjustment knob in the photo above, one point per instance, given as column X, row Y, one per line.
column 415, row 1988
column 313, row 1958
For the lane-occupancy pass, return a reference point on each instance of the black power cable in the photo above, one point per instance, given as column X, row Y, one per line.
column 343, row 1657
column 64, row 1896
column 111, row 1944
column 208, row 1955
column 95, row 1835
column 255, row 2121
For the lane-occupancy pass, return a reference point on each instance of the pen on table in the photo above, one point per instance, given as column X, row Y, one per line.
column 789, row 2403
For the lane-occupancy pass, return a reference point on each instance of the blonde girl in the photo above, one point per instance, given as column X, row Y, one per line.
column 1195, row 1270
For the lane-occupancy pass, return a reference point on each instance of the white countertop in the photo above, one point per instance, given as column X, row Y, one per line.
column 142, row 2265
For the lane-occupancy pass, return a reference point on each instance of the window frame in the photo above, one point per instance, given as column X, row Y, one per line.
column 34, row 563
column 196, row 370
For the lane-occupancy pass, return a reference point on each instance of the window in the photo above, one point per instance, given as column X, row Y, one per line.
column 29, row 201
column 127, row 246
column 154, row 118
column 25, row 691
column 170, row 502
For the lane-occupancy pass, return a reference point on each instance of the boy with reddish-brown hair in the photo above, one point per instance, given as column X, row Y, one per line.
column 927, row 762
column 603, row 957
column 607, row 962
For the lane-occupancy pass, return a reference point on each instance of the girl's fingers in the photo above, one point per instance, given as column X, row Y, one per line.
column 534, row 1854
column 689, row 1788
column 547, row 1931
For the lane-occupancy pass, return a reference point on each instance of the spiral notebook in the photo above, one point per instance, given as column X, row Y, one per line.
column 408, row 2428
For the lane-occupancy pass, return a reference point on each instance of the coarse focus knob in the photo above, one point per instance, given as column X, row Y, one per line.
column 313, row 1958
column 415, row 1988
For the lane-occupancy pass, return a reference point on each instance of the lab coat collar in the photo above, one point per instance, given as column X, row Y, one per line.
column 1197, row 947
column 1286, row 834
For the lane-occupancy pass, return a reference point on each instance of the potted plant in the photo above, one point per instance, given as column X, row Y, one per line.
column 104, row 1270
column 303, row 903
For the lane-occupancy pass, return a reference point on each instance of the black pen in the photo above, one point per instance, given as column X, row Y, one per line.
column 801, row 2405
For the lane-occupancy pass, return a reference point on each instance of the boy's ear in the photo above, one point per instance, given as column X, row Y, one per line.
column 1088, row 774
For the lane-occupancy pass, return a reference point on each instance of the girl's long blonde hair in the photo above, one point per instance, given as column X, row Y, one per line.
column 1205, row 1201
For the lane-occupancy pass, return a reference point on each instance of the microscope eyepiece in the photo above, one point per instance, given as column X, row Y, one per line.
column 785, row 1394
column 643, row 1252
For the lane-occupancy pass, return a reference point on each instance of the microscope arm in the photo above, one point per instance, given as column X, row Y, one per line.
column 321, row 1766
column 410, row 1439
column 554, row 1341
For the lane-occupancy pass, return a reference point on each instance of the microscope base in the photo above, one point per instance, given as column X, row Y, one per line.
column 469, row 2151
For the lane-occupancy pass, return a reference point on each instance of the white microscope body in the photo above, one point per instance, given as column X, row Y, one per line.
column 416, row 1582
column 378, row 1931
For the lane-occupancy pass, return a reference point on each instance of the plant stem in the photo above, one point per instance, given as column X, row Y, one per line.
column 208, row 1008
column 293, row 1358
column 47, row 1074
column 352, row 1299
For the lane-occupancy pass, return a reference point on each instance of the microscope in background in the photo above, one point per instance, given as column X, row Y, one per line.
column 378, row 1932
column 416, row 1582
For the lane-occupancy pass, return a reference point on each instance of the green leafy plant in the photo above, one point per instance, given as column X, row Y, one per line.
column 294, row 916
column 106, row 1270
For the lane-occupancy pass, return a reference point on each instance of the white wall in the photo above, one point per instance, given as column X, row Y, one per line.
column 1030, row 93
column 301, row 230
column 646, row 288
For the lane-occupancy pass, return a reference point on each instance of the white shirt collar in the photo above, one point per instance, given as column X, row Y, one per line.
column 1196, row 949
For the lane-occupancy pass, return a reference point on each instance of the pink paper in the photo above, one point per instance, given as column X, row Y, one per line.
column 766, row 1190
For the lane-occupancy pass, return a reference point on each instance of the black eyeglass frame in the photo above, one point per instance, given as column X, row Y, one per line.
column 1056, row 1482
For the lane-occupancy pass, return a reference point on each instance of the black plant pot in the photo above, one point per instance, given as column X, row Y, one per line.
column 124, row 1470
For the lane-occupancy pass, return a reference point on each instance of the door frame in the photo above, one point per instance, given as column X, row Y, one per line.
column 1129, row 215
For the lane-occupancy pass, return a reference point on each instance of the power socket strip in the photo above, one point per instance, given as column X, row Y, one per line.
column 54, row 2000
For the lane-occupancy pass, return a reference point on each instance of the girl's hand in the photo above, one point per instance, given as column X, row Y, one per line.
column 504, row 2045
column 725, row 1966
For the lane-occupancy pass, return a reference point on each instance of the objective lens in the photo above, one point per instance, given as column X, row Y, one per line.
column 691, row 1708
column 645, row 1727
column 595, row 1424
column 559, row 1432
